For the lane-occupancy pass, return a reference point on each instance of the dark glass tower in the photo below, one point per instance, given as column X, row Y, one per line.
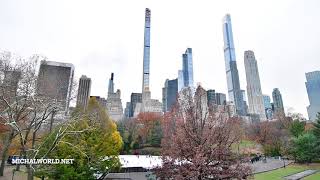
column 111, row 84
column 169, row 94
column 277, row 102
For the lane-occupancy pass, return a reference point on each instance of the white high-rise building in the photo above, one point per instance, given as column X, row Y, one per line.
column 255, row 97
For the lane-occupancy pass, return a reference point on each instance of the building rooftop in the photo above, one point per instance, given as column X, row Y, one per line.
column 54, row 63
column 143, row 161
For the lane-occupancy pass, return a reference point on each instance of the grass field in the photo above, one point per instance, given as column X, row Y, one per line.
column 289, row 170
column 246, row 147
column 313, row 177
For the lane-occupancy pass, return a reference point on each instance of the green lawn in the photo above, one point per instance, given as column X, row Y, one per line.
column 313, row 177
column 291, row 169
column 244, row 145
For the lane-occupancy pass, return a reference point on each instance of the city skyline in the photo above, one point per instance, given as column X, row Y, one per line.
column 120, row 56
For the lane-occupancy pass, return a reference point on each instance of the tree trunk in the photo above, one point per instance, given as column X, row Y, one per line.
column 18, row 165
column 51, row 121
column 5, row 150
column 30, row 172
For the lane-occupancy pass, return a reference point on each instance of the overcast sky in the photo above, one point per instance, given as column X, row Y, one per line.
column 100, row 37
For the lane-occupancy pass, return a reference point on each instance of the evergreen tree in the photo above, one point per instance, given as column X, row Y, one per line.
column 316, row 130
column 304, row 148
column 296, row 128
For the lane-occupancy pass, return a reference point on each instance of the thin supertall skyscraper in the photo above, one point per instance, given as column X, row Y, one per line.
column 146, row 52
column 313, row 90
column 255, row 97
column 147, row 104
column 233, row 81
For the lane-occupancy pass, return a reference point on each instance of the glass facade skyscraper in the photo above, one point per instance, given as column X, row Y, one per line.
column 146, row 51
column 221, row 99
column 135, row 98
column 180, row 80
column 233, row 81
column 277, row 102
column 267, row 106
column 187, row 68
column 313, row 90
column 255, row 97
column 211, row 96
column 170, row 92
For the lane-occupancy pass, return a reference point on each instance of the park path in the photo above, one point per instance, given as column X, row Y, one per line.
column 300, row 175
column 8, row 174
column 271, row 164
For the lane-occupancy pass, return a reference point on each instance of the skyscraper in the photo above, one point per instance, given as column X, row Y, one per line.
column 83, row 92
column 233, row 81
column 10, row 82
column 211, row 96
column 146, row 52
column 55, row 81
column 187, row 68
column 313, row 90
column 147, row 104
column 114, row 104
column 170, row 92
column 180, row 80
column 111, row 84
column 255, row 97
column 267, row 106
column 244, row 100
column 277, row 102
column 134, row 99
column 127, row 110
column 9, row 87
column 221, row 99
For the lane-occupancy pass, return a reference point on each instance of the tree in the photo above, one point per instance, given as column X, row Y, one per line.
column 93, row 141
column 150, row 122
column 304, row 148
column 199, row 144
column 316, row 132
column 128, row 131
column 316, row 129
column 141, row 135
column 297, row 128
column 22, row 109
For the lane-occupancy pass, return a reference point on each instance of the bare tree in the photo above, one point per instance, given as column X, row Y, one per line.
column 23, row 110
column 198, row 146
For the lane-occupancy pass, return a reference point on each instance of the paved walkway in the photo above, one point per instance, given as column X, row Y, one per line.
column 300, row 175
column 271, row 164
